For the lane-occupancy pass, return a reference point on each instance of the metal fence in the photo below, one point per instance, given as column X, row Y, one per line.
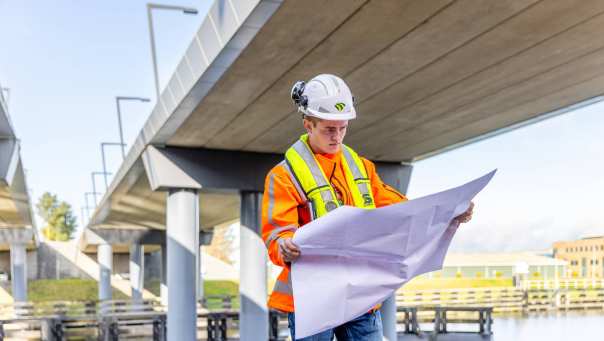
column 509, row 300
column 117, row 320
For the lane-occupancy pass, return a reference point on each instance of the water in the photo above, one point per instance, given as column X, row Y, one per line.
column 561, row 327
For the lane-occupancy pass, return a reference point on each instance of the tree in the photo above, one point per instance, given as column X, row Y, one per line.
column 59, row 218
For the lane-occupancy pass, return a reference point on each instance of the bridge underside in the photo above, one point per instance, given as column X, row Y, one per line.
column 428, row 75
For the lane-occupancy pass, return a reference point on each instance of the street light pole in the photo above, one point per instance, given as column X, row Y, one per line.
column 103, row 145
column 119, row 117
column 83, row 216
column 88, row 207
column 150, row 7
column 94, row 192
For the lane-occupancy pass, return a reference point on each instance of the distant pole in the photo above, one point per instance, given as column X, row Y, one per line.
column 119, row 117
column 93, row 188
column 88, row 207
column 92, row 177
column 150, row 7
column 82, row 216
column 103, row 145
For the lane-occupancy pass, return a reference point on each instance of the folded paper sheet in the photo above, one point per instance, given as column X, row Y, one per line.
column 353, row 259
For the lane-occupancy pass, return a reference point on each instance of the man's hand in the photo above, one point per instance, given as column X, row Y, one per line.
column 467, row 215
column 288, row 251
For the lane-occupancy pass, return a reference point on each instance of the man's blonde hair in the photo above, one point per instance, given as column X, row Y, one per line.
column 312, row 119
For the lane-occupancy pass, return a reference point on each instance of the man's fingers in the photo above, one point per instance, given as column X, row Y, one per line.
column 291, row 247
column 289, row 250
column 293, row 251
column 467, row 215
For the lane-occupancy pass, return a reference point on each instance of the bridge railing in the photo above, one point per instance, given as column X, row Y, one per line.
column 508, row 300
column 117, row 320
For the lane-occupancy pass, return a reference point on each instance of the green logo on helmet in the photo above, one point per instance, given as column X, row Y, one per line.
column 340, row 106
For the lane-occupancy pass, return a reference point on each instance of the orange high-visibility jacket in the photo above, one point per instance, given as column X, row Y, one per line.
column 283, row 211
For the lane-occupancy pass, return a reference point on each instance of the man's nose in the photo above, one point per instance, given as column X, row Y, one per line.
column 337, row 137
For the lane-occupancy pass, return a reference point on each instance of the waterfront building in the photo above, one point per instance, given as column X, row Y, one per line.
column 585, row 256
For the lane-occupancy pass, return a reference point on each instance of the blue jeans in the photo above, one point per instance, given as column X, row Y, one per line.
column 367, row 327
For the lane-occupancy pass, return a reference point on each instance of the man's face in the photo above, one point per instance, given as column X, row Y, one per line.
column 326, row 136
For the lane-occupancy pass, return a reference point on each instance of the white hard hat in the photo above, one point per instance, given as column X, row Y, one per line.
column 326, row 97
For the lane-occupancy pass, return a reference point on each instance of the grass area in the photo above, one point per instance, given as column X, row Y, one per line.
column 68, row 289
column 456, row 283
column 75, row 289
column 211, row 288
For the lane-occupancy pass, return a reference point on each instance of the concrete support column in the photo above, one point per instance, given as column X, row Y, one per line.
column 163, row 287
column 388, row 311
column 105, row 260
column 397, row 176
column 137, row 272
column 200, row 280
column 18, row 267
column 182, row 238
column 253, row 315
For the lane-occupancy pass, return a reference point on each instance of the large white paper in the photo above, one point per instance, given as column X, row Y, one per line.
column 353, row 259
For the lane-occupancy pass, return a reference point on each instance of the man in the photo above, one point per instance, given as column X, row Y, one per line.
column 319, row 174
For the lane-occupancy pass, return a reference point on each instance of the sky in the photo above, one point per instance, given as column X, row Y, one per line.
column 65, row 61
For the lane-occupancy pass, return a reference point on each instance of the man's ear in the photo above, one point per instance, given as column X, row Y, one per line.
column 307, row 125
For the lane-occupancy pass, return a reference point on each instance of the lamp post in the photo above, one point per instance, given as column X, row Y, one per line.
column 83, row 216
column 86, row 212
column 150, row 8
column 88, row 207
column 119, row 117
column 103, row 145
column 94, row 192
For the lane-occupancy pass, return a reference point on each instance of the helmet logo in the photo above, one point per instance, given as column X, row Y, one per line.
column 340, row 106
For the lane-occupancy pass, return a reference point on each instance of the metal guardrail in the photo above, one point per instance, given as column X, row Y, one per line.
column 508, row 300
column 115, row 320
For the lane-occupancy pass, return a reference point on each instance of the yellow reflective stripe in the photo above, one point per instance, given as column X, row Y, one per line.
column 310, row 177
column 352, row 186
column 355, row 163
column 326, row 199
column 311, row 163
column 302, row 172
column 356, row 177
column 294, row 180
column 312, row 182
